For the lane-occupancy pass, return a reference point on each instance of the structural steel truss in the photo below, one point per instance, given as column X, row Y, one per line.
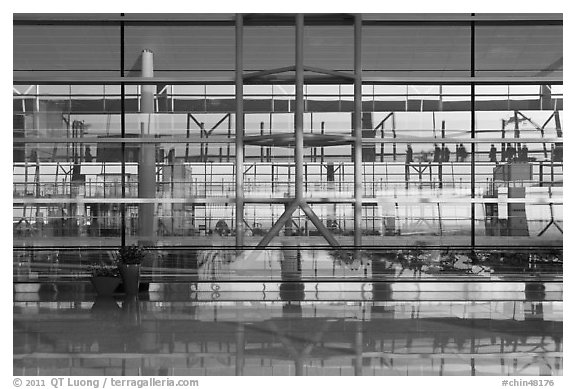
column 299, row 68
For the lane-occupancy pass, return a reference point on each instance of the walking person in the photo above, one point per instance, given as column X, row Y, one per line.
column 492, row 154
column 88, row 155
column 445, row 154
column 463, row 153
column 510, row 153
column 437, row 153
column 409, row 154
column 524, row 153
column 171, row 156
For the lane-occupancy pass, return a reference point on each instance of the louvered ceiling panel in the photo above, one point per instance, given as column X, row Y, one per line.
column 66, row 48
column 329, row 47
column 416, row 48
column 532, row 48
column 181, row 47
column 268, row 47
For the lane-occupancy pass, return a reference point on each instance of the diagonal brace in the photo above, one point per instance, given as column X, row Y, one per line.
column 328, row 72
column 281, row 222
column 278, row 225
column 319, row 225
column 217, row 124
column 269, row 72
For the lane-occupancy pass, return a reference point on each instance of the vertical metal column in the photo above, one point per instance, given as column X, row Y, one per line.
column 440, row 178
column 239, row 133
column 357, row 130
column 503, row 144
column 147, row 163
column 299, row 201
column 473, row 134
column 517, row 132
column 299, row 111
column 122, row 135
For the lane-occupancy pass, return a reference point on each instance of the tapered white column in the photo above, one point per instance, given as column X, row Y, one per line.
column 147, row 162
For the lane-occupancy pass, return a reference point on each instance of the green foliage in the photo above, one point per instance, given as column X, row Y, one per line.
column 104, row 270
column 131, row 255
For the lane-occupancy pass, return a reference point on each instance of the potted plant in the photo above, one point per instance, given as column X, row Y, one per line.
column 129, row 261
column 105, row 278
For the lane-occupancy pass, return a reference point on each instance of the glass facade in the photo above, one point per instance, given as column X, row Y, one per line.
column 319, row 194
column 450, row 156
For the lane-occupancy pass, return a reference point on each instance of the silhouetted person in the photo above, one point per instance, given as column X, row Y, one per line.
column 492, row 154
column 461, row 153
column 94, row 228
column 171, row 157
column 160, row 155
column 409, row 154
column 510, row 153
column 445, row 154
column 524, row 153
column 88, row 155
column 437, row 153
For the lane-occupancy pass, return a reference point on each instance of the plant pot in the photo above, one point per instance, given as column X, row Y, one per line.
column 105, row 286
column 130, row 278
column 105, row 305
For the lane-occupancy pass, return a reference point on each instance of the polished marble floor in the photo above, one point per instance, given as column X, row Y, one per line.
column 172, row 332
column 293, row 312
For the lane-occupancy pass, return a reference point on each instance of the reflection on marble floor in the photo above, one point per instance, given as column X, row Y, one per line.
column 296, row 312
column 131, row 336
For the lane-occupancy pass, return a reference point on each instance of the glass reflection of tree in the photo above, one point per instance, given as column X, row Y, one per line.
column 347, row 259
column 420, row 260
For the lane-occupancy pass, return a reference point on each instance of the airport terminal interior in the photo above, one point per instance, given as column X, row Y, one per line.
column 313, row 194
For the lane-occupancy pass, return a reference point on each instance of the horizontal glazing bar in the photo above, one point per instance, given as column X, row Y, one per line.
column 368, row 18
column 342, row 138
column 230, row 80
column 281, row 200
